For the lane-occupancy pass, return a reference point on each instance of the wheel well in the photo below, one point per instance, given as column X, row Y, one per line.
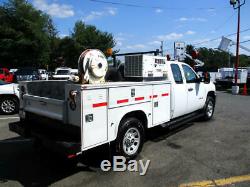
column 10, row 96
column 212, row 94
column 140, row 115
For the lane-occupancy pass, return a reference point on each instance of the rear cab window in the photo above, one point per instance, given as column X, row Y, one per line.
column 176, row 73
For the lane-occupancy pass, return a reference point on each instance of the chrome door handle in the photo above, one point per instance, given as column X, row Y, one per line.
column 190, row 89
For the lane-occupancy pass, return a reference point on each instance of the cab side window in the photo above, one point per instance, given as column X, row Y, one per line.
column 189, row 74
column 176, row 73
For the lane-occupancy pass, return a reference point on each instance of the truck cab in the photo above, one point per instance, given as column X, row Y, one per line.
column 189, row 90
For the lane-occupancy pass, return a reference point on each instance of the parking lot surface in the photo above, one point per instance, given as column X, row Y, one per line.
column 211, row 153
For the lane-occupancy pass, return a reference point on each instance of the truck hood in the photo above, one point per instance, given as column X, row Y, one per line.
column 9, row 89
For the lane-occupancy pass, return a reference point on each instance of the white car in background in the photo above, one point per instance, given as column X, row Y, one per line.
column 64, row 73
column 43, row 73
column 9, row 98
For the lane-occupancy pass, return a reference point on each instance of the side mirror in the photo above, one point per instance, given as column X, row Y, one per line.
column 198, row 80
column 207, row 80
column 206, row 77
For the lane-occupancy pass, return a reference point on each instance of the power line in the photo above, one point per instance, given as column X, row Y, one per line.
column 227, row 20
column 217, row 28
column 245, row 41
column 153, row 7
column 245, row 30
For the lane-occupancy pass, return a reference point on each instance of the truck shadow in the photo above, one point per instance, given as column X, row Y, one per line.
column 21, row 162
column 159, row 133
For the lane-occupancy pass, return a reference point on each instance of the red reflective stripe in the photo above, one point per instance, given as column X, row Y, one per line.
column 71, row 156
column 153, row 96
column 122, row 101
column 164, row 94
column 139, row 98
column 100, row 104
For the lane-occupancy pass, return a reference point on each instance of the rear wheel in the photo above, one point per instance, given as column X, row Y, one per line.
column 130, row 138
column 209, row 108
column 8, row 105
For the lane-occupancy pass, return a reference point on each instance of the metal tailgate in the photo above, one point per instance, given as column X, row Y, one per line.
column 48, row 107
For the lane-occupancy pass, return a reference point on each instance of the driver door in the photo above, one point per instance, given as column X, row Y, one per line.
column 195, row 89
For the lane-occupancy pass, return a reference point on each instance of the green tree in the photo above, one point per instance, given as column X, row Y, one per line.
column 25, row 35
column 69, row 50
column 213, row 59
column 88, row 36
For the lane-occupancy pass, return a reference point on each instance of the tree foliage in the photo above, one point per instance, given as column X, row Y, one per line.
column 88, row 36
column 215, row 59
column 24, row 35
column 83, row 37
column 28, row 37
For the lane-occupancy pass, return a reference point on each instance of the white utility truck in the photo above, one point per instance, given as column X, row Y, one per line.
column 74, row 117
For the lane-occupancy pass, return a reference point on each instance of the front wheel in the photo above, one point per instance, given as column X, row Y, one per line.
column 130, row 138
column 209, row 108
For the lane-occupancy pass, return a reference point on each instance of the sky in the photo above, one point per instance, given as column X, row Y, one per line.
column 140, row 25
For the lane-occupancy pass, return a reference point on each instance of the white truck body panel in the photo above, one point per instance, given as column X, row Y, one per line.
column 94, row 106
column 107, row 105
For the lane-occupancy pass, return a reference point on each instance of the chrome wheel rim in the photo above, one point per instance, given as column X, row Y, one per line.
column 8, row 106
column 131, row 141
column 210, row 108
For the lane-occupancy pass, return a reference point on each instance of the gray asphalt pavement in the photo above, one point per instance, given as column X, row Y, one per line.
column 198, row 152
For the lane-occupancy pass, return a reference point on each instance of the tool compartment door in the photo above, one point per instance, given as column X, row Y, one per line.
column 94, row 118
column 161, row 103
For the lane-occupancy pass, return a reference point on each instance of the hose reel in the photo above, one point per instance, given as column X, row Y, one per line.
column 92, row 66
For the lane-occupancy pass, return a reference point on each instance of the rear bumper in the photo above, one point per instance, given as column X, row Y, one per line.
column 65, row 146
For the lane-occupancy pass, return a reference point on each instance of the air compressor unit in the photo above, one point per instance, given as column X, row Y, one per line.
column 145, row 68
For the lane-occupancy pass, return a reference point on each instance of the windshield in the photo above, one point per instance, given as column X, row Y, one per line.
column 63, row 72
column 26, row 72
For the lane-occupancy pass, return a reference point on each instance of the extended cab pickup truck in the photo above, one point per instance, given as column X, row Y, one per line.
column 72, row 118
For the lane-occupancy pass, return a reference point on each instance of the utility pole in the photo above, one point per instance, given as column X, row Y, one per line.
column 236, row 5
column 161, row 48
column 229, row 59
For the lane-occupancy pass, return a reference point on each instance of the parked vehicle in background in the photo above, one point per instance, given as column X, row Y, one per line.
column 50, row 75
column 64, row 73
column 13, row 71
column 27, row 74
column 43, row 73
column 215, row 76
column 5, row 75
column 227, row 76
column 74, row 71
column 9, row 98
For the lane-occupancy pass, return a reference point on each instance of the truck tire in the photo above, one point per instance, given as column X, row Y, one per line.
column 130, row 138
column 209, row 108
column 9, row 105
